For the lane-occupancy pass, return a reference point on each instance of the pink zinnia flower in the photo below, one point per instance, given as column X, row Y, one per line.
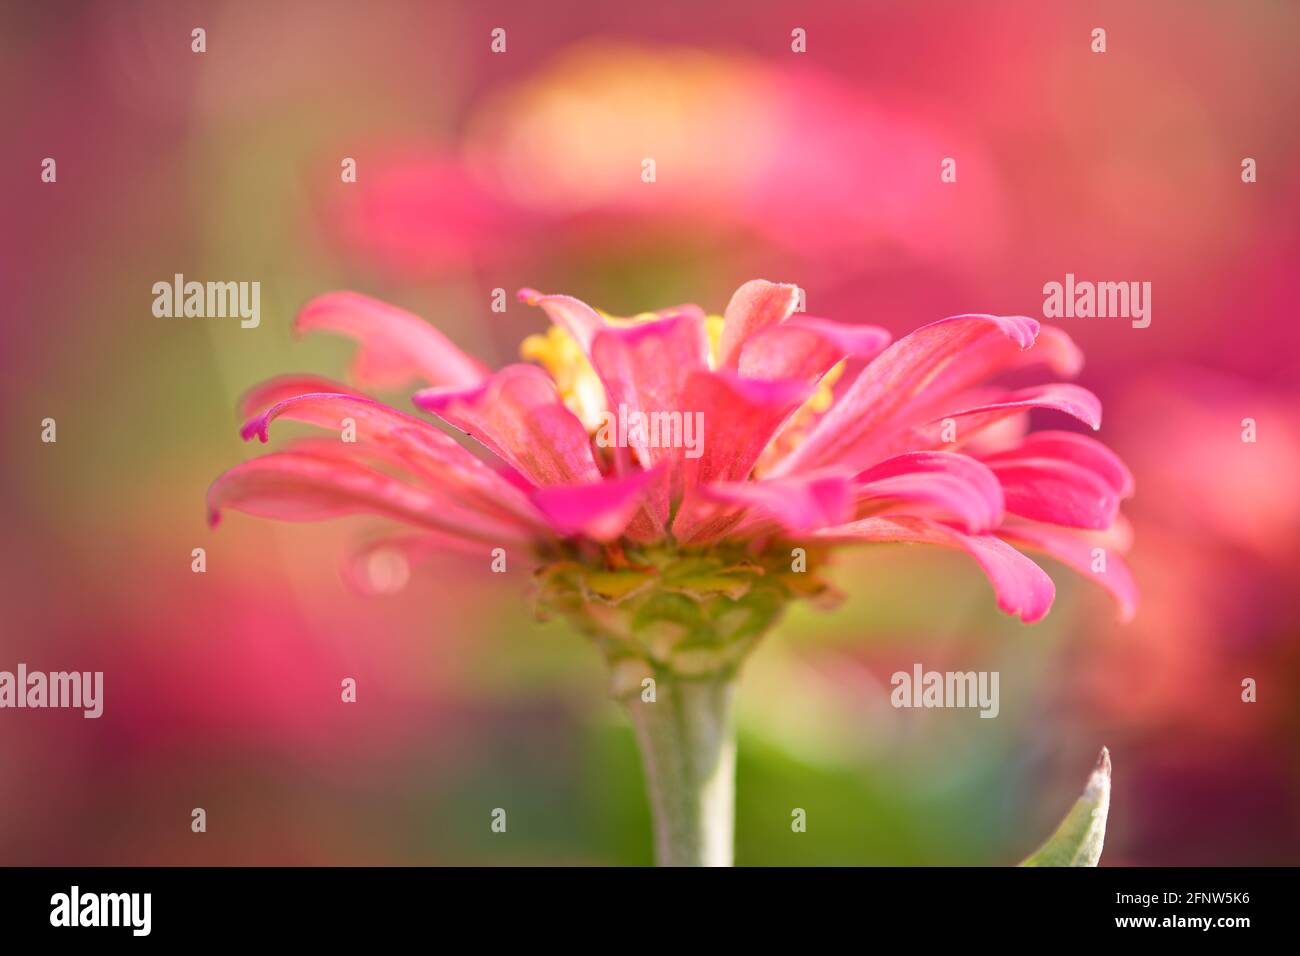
column 772, row 466
column 677, row 555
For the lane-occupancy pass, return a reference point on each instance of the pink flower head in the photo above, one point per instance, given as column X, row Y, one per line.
column 693, row 433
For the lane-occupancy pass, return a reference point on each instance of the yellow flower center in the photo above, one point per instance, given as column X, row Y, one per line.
column 559, row 353
column 579, row 386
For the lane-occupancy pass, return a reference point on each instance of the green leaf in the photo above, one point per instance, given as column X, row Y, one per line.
column 1077, row 841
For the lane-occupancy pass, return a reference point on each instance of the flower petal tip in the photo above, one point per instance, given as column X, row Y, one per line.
column 258, row 425
column 1020, row 329
column 1033, row 616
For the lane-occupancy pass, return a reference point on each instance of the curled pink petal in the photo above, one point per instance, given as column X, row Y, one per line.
column 807, row 348
column 1085, row 552
column 573, row 315
column 1058, row 492
column 876, row 406
column 397, row 347
column 404, row 440
column 519, row 415
column 1021, row 586
column 756, row 305
column 1074, row 400
column 294, row 487
column 1055, row 349
column 328, row 410
column 956, row 487
column 1083, row 450
column 262, row 396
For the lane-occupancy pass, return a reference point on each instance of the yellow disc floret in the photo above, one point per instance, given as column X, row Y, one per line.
column 559, row 353
column 579, row 386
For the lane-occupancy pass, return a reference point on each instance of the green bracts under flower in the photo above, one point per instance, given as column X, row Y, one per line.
column 682, row 614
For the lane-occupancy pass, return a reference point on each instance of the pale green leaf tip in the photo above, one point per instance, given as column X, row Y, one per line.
column 1078, row 840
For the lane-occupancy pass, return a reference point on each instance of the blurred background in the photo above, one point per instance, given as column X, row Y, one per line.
column 478, row 171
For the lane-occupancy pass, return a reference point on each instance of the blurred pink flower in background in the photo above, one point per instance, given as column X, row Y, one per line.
column 741, row 148
column 1221, row 520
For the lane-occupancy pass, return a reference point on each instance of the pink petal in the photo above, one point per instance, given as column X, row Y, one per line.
column 644, row 369
column 295, row 487
column 756, row 305
column 807, row 348
column 1055, row 349
column 650, row 523
column 375, row 420
column 382, row 457
column 740, row 416
column 798, row 504
column 953, row 388
column 1021, row 586
column 957, row 486
column 406, row 441
column 1118, row 536
column 995, row 437
column 1050, row 347
column 396, row 346
column 261, row 397
column 511, row 504
column 573, row 315
column 1058, row 492
column 1075, row 550
column 1064, row 397
column 519, row 415
column 1083, row 450
column 601, row 511
column 937, row 358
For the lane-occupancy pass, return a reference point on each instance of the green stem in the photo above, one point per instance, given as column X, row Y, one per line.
column 688, row 747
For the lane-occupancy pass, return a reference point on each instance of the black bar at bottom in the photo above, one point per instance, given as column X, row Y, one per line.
column 213, row 905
